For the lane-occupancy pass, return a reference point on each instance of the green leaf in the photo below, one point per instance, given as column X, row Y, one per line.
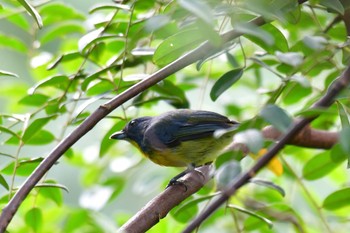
column 8, row 131
column 93, row 37
column 344, row 136
column 256, row 34
column 64, row 58
column 337, row 199
column 295, row 92
column 276, row 117
column 280, row 43
column 3, row 182
column 35, row 127
column 252, row 138
column 52, row 191
column 198, row 8
column 32, row 11
column 106, row 141
column 174, row 46
column 334, row 5
column 6, row 73
column 225, row 82
column 227, row 173
column 107, row 6
column 25, row 167
column 117, row 184
column 269, row 184
column 59, row 81
column 252, row 214
column 293, row 59
column 34, row 219
column 57, row 12
column 41, row 138
column 61, row 30
column 34, row 100
column 99, row 87
column 19, row 20
column 323, row 163
column 317, row 43
column 189, row 209
column 168, row 89
column 12, row 43
column 343, row 114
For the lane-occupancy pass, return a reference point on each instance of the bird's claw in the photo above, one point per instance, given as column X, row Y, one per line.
column 176, row 182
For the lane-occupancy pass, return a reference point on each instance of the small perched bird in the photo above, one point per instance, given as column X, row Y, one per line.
column 179, row 138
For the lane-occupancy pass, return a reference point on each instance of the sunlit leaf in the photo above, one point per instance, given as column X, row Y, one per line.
column 61, row 30
column 107, row 6
column 93, row 37
column 252, row 214
column 276, row 117
column 335, row 5
column 344, row 136
column 227, row 173
column 290, row 58
column 198, row 8
column 261, row 36
column 3, row 182
column 269, row 184
column 35, row 127
column 343, row 114
column 6, row 73
column 176, row 45
column 24, row 168
column 337, row 199
column 252, row 138
column 316, row 43
column 323, row 163
column 117, row 184
column 14, row 43
column 106, row 141
column 34, row 100
column 177, row 96
column 52, row 191
column 34, row 219
column 58, row 12
column 60, row 81
column 225, row 82
column 188, row 210
column 32, row 11
column 8, row 131
column 64, row 58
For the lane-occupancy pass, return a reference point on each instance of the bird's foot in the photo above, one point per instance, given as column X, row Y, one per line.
column 173, row 182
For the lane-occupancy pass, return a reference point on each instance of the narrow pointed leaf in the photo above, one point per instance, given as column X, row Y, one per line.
column 337, row 199
column 276, row 117
column 225, row 82
column 32, row 11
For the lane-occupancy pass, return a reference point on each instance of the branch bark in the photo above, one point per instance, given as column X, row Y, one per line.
column 307, row 137
column 160, row 206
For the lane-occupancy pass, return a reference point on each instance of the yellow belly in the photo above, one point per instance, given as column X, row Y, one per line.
column 198, row 152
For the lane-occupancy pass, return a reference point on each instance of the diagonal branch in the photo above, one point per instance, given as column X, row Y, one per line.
column 160, row 205
column 328, row 99
column 200, row 52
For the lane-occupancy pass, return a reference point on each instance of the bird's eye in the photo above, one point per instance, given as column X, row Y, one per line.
column 132, row 123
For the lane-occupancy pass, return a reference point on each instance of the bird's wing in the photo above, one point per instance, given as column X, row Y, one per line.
column 188, row 125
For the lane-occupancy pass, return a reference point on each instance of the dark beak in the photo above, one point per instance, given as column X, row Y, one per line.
column 120, row 135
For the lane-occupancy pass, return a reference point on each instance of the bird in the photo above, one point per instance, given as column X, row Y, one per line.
column 179, row 138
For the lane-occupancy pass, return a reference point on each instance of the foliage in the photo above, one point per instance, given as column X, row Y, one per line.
column 54, row 76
